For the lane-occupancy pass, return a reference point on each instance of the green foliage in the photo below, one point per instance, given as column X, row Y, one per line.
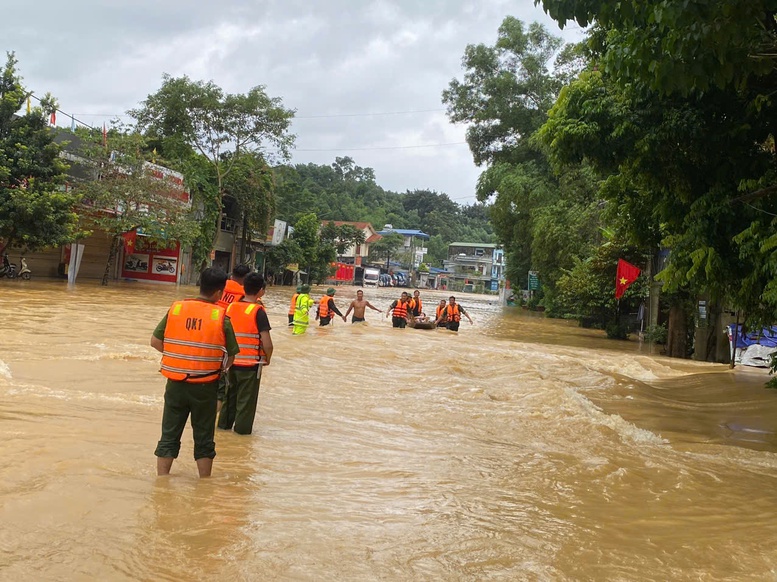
column 342, row 237
column 656, row 334
column 679, row 47
column 35, row 211
column 388, row 246
column 315, row 254
column 185, row 117
column 616, row 331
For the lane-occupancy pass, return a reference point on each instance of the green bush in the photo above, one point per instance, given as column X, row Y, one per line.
column 656, row 334
column 616, row 331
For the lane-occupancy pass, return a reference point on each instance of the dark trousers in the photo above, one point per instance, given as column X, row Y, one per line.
column 453, row 325
column 324, row 320
column 239, row 407
column 398, row 322
column 181, row 400
column 291, row 320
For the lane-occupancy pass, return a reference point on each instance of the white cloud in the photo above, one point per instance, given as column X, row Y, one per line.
column 333, row 58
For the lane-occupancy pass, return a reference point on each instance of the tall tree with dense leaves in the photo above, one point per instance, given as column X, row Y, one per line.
column 682, row 47
column 185, row 113
column 35, row 210
column 505, row 95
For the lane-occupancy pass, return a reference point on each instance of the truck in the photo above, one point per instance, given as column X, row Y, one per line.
column 371, row 276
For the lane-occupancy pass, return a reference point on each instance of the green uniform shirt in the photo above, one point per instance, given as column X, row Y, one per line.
column 232, row 348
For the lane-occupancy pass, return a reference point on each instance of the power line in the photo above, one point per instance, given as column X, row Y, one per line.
column 332, row 116
column 404, row 147
column 368, row 114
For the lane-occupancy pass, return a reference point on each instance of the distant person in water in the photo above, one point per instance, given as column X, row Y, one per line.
column 234, row 288
column 453, row 313
column 440, row 314
column 301, row 309
column 327, row 307
column 293, row 306
column 399, row 311
column 358, row 306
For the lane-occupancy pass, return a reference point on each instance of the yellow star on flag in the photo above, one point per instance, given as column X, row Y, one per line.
column 624, row 280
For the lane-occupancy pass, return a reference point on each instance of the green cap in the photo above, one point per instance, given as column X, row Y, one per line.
column 304, row 288
column 299, row 288
column 330, row 291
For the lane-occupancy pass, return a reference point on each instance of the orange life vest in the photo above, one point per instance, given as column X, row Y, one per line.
column 400, row 310
column 194, row 344
column 453, row 312
column 293, row 305
column 242, row 315
column 323, row 307
column 416, row 306
column 232, row 292
column 441, row 311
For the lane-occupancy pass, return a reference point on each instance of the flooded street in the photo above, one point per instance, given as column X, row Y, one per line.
column 518, row 449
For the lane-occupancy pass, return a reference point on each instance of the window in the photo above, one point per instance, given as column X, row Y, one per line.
column 479, row 252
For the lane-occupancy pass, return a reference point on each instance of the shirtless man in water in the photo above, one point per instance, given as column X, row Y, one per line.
column 358, row 306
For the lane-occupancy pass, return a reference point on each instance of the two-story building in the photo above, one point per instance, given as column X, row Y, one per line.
column 475, row 266
column 356, row 254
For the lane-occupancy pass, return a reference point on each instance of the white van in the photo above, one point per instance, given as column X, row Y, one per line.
column 371, row 276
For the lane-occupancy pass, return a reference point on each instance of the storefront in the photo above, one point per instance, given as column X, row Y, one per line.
column 143, row 260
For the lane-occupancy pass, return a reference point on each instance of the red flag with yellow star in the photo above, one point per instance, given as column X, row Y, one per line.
column 129, row 241
column 626, row 275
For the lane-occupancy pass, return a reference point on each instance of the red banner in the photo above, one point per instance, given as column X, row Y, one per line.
column 626, row 275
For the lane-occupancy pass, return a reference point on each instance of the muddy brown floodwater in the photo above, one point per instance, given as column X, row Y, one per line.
column 518, row 449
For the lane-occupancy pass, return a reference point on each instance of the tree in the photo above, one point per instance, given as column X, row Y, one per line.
column 386, row 247
column 251, row 185
column 125, row 193
column 507, row 91
column 680, row 47
column 316, row 254
column 35, row 210
column 214, row 123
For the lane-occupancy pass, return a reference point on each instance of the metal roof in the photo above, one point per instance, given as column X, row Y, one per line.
column 478, row 245
column 404, row 232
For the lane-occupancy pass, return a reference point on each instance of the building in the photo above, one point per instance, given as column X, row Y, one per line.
column 137, row 258
column 412, row 245
column 475, row 266
column 356, row 254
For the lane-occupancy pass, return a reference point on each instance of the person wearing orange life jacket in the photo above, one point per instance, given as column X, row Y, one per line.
column 197, row 344
column 440, row 314
column 453, row 313
column 326, row 307
column 416, row 306
column 234, row 289
column 399, row 311
column 293, row 306
column 252, row 329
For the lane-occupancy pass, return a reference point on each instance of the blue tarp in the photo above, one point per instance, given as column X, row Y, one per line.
column 765, row 337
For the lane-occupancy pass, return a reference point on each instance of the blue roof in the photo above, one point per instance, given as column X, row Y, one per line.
column 436, row 270
column 405, row 232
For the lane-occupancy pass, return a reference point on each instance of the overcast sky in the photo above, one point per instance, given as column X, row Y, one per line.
column 336, row 62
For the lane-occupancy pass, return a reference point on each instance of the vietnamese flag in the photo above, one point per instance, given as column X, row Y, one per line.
column 130, row 238
column 626, row 275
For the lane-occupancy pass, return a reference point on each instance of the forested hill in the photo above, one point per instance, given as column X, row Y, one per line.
column 345, row 191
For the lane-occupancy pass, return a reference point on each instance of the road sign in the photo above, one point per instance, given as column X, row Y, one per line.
column 534, row 281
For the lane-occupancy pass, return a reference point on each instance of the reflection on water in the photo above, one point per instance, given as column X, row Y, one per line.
column 519, row 448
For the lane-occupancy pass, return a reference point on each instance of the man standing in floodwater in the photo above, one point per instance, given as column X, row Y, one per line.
column 453, row 313
column 252, row 329
column 233, row 291
column 398, row 311
column 198, row 344
column 359, row 306
column 326, row 307
column 301, row 316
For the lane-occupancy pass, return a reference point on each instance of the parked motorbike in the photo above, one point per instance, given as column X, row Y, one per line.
column 25, row 272
column 8, row 269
